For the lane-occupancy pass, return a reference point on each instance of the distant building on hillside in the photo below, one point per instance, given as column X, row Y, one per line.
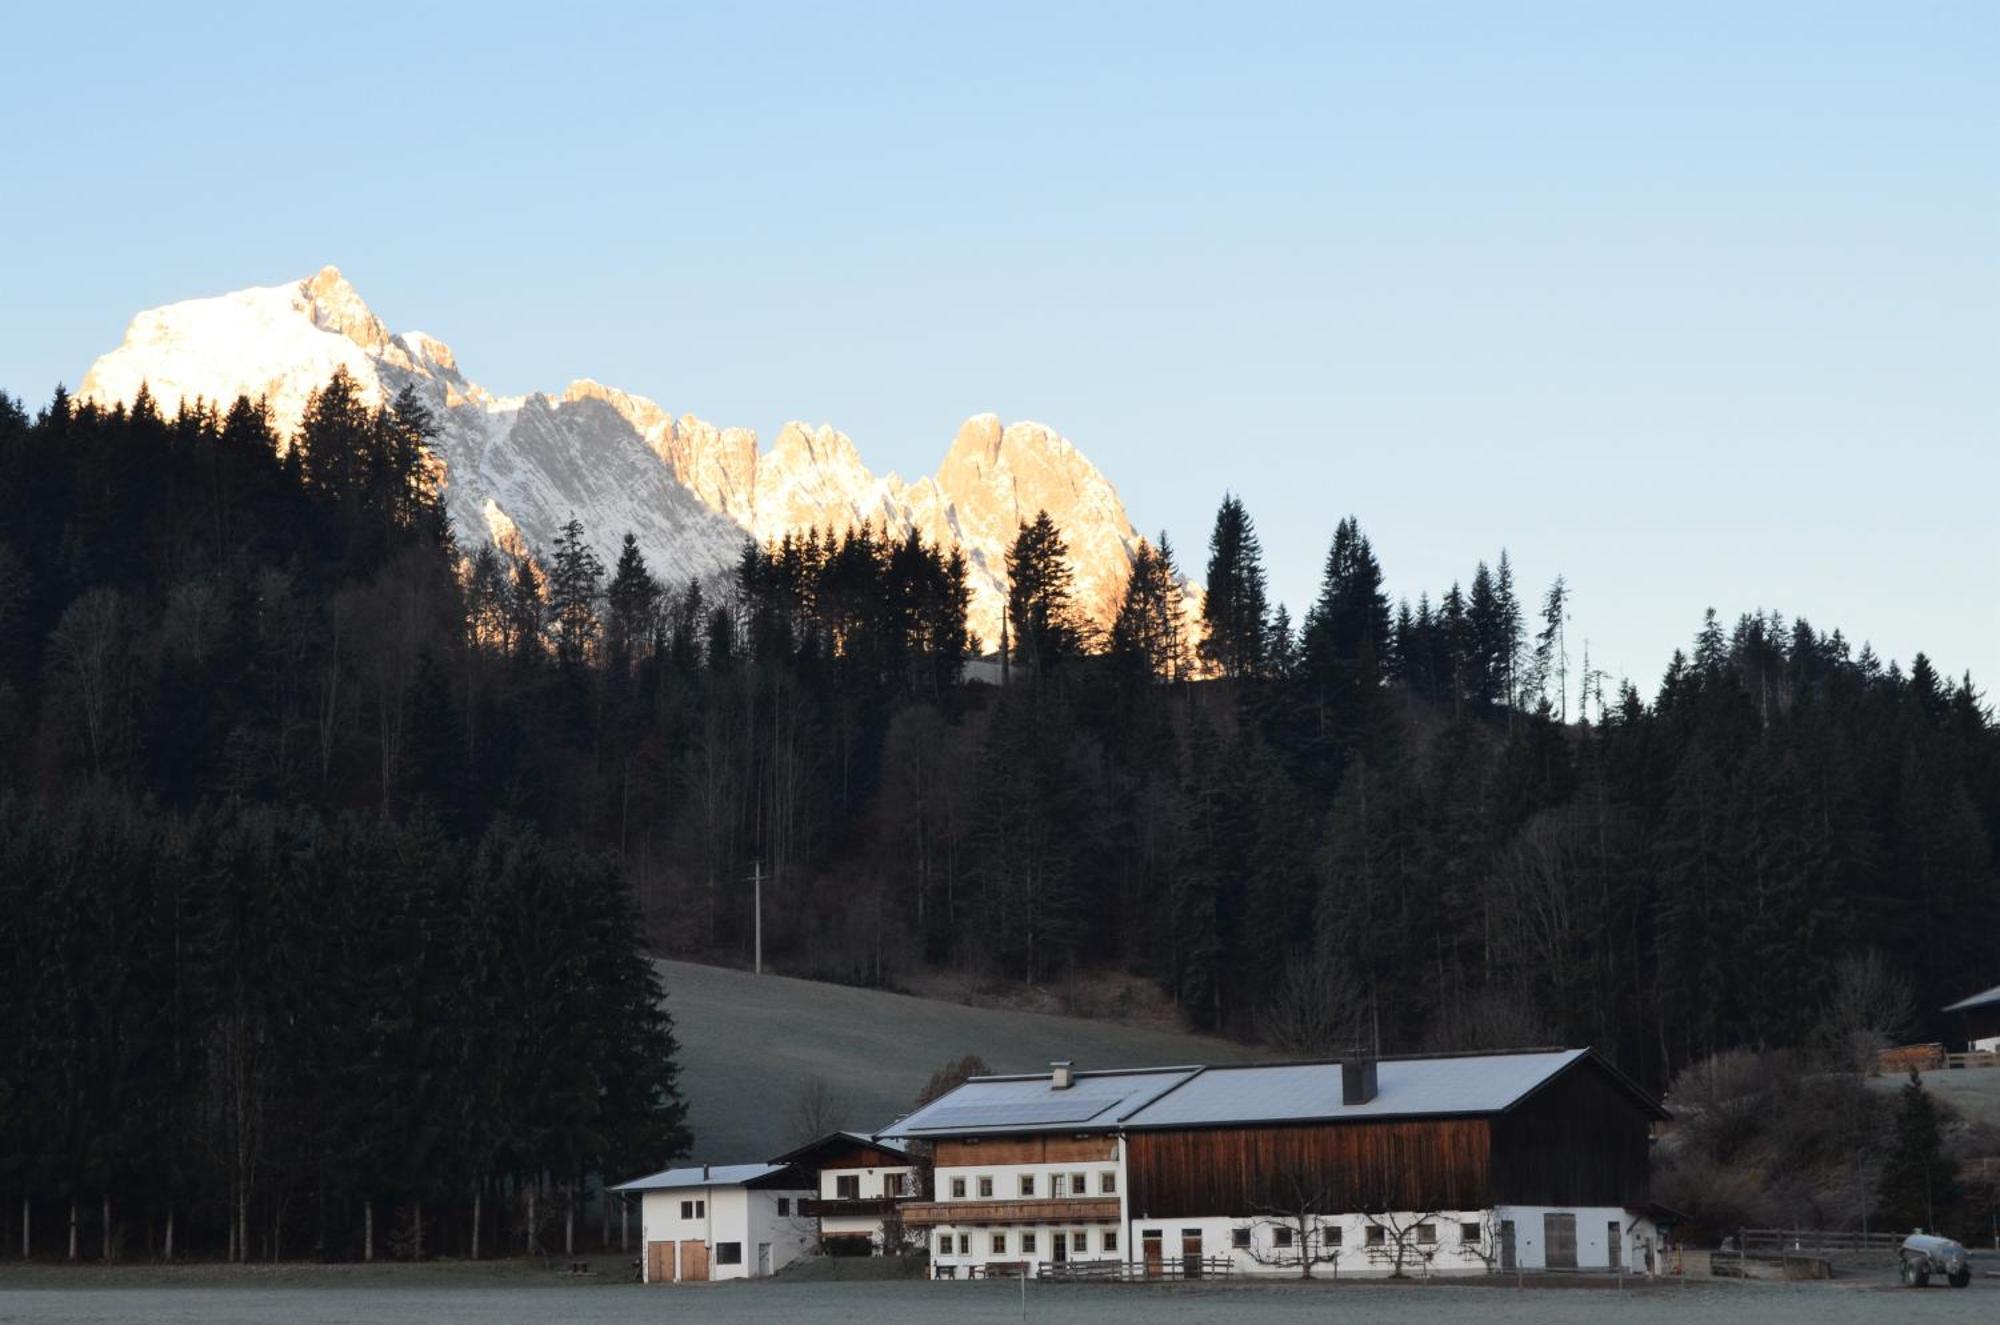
column 1979, row 1020
column 1461, row 1163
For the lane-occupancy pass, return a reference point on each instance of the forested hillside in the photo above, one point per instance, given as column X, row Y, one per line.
column 1388, row 823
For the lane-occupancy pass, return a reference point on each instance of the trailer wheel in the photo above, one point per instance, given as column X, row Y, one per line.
column 1914, row 1271
column 1960, row 1278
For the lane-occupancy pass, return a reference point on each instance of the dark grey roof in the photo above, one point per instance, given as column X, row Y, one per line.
column 702, row 1175
column 1440, row 1086
column 1976, row 1001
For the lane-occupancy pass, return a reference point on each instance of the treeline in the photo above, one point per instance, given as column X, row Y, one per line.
column 1376, row 822
column 267, row 987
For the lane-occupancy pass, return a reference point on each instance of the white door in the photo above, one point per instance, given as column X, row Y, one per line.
column 764, row 1258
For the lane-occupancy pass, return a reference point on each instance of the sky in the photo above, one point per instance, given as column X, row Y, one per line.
column 1695, row 305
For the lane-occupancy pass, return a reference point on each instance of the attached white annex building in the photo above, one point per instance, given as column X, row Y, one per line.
column 862, row 1184
column 723, row 1221
column 1446, row 1164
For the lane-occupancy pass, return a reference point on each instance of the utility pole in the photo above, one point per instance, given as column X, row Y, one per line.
column 757, row 879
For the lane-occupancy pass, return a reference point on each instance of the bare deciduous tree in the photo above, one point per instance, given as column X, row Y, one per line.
column 1318, row 1008
column 817, row 1109
column 1304, row 1198
column 1868, row 1007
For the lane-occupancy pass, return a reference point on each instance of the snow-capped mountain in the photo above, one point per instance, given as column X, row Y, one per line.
column 516, row 467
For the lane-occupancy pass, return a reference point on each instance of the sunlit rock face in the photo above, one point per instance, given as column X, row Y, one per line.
column 517, row 467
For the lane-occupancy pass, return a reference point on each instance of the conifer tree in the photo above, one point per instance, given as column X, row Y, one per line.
column 1233, row 613
column 1047, row 631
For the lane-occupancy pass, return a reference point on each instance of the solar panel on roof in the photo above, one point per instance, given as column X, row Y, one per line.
column 1026, row 1112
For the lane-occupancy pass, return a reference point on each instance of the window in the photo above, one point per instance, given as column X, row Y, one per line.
column 985, row 1185
column 1376, row 1238
column 999, row 1244
column 1107, row 1183
column 944, row 1244
column 958, row 1189
column 1057, row 1186
column 1470, row 1234
column 1331, row 1235
column 784, row 1206
column 1239, row 1238
column 892, row 1184
column 965, row 1244
column 729, row 1253
column 1079, row 1184
column 1080, row 1240
column 693, row 1209
column 1427, row 1234
column 848, row 1187
column 1059, row 1246
column 1027, row 1184
column 1027, row 1244
column 1109, row 1239
column 1281, row 1237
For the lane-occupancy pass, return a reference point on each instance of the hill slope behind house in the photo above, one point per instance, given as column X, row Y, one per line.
column 750, row 1044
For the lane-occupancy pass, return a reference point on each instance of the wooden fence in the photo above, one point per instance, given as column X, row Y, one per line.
column 1767, row 1240
column 1105, row 1272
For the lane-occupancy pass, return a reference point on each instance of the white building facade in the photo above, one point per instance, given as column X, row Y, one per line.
column 714, row 1222
column 1182, row 1172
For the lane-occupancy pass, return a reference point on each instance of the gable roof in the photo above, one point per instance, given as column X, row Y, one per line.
column 703, row 1175
column 1976, row 1001
column 835, row 1140
column 1448, row 1085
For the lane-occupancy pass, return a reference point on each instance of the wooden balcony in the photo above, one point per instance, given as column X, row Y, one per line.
column 989, row 1211
column 872, row 1207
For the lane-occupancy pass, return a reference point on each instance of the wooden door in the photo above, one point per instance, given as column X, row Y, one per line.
column 1559, row 1242
column 1155, row 1258
column 694, row 1261
column 1506, row 1244
column 1191, row 1252
column 1059, row 1247
column 659, row 1262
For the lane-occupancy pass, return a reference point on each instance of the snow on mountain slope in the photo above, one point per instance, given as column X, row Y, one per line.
column 517, row 467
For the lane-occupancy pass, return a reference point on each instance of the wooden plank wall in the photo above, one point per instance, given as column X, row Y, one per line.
column 1436, row 1165
column 973, row 1151
column 1580, row 1140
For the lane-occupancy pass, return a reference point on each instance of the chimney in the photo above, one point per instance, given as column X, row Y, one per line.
column 704, row 1172
column 1059, row 1075
column 1357, row 1080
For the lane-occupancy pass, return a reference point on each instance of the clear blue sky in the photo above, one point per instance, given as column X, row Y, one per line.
column 1696, row 304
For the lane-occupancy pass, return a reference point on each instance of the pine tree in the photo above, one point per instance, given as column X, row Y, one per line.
column 1233, row 612
column 1919, row 1182
column 1047, row 631
column 631, row 602
column 574, row 576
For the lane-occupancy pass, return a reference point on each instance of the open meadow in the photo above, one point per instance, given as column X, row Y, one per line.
column 504, row 1295
column 751, row 1043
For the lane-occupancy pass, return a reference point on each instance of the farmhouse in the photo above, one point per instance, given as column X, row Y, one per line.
column 862, row 1183
column 1456, row 1163
column 723, row 1221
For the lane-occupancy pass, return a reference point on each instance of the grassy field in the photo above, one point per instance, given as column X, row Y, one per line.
column 410, row 1294
column 750, row 1043
column 1973, row 1091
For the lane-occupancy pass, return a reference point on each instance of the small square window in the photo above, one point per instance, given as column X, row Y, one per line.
column 999, row 1244
column 892, row 1184
column 1427, row 1234
column 1080, row 1241
column 1027, row 1244
column 784, row 1206
column 1331, row 1236
column 1079, row 1183
column 1239, row 1237
column 847, row 1187
column 687, row 1209
column 1027, row 1184
column 1107, row 1183
column 1470, row 1234
column 985, row 1185
column 1376, row 1237
column 958, row 1188
column 944, row 1244
column 729, row 1253
column 1110, row 1237
column 1281, row 1237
